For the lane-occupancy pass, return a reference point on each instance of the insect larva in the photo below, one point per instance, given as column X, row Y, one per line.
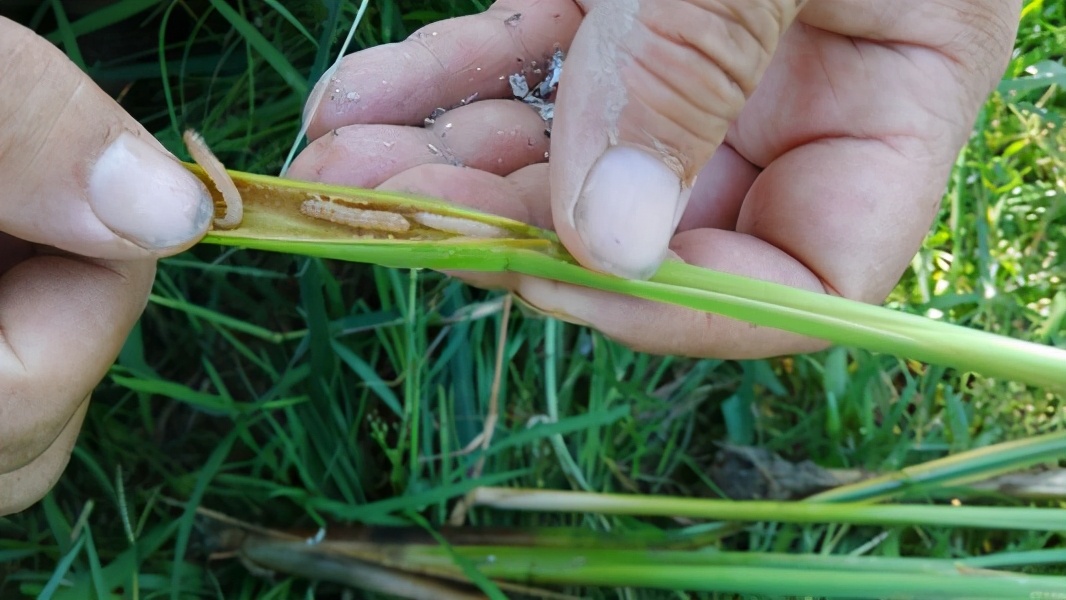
column 217, row 174
column 342, row 214
column 458, row 225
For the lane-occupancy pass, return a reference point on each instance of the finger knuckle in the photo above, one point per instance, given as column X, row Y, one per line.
column 984, row 37
column 24, row 432
column 24, row 448
column 737, row 36
column 22, row 69
column 27, row 488
column 730, row 43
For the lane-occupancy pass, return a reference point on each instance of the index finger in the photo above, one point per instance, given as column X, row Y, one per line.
column 442, row 65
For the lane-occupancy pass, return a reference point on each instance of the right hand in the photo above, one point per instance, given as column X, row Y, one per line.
column 823, row 133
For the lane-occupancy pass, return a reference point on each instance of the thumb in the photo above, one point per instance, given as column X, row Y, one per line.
column 79, row 173
column 649, row 89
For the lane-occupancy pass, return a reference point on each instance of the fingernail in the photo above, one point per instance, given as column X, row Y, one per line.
column 627, row 211
column 147, row 197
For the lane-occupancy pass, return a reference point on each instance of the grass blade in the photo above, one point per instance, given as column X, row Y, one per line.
column 264, row 48
column 103, row 17
column 61, row 570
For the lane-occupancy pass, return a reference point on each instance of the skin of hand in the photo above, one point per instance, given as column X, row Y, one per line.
column 90, row 200
column 806, row 143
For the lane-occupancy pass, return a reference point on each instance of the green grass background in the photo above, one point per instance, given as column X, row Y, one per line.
column 295, row 392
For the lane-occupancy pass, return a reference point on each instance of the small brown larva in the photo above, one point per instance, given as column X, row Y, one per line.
column 458, row 225
column 217, row 174
column 359, row 218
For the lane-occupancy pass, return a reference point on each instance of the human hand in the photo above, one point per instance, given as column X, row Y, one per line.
column 89, row 202
column 822, row 133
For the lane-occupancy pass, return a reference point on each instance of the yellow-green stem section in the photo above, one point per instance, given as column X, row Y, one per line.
column 273, row 223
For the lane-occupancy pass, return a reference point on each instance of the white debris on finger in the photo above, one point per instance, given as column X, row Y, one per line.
column 540, row 96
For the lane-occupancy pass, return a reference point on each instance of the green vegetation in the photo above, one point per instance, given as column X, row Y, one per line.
column 298, row 393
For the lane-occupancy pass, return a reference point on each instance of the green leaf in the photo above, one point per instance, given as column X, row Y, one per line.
column 264, row 48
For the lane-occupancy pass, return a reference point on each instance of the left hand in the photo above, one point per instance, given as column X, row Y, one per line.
column 89, row 202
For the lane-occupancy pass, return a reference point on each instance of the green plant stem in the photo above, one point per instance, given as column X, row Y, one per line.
column 791, row 582
column 738, row 572
column 765, row 304
column 1033, row 519
column 958, row 469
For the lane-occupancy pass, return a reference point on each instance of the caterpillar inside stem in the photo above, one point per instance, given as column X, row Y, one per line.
column 458, row 225
column 341, row 213
column 216, row 172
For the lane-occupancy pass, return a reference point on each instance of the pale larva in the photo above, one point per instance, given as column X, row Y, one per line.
column 458, row 225
column 359, row 218
column 217, row 174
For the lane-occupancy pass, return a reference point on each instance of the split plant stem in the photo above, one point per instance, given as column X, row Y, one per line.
column 273, row 222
